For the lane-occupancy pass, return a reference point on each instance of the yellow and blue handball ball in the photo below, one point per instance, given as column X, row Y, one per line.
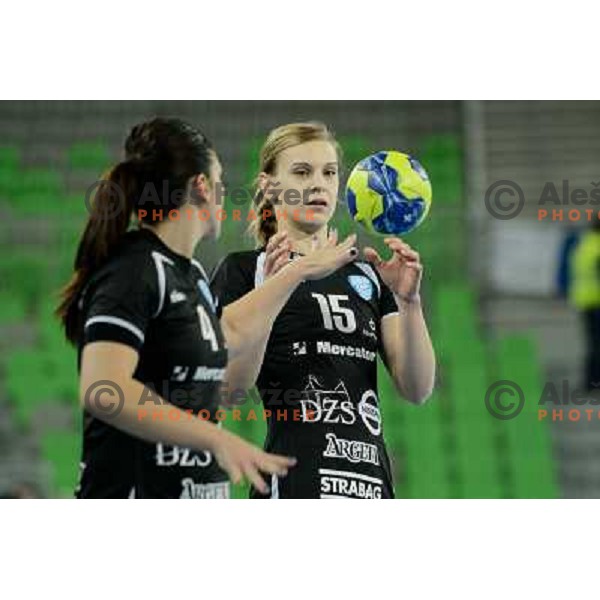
column 389, row 193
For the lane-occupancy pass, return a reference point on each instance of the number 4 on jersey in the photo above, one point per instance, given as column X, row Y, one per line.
column 334, row 315
column 208, row 332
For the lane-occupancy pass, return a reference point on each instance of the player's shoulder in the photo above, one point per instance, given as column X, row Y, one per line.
column 197, row 266
column 361, row 271
column 244, row 261
column 134, row 263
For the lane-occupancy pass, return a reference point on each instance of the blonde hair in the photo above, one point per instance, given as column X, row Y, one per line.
column 279, row 139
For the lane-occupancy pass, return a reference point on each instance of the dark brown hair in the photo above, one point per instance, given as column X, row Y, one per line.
column 161, row 155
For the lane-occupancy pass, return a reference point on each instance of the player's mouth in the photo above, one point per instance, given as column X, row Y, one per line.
column 317, row 203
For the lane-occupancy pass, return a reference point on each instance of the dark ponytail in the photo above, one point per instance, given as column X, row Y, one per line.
column 156, row 151
column 109, row 219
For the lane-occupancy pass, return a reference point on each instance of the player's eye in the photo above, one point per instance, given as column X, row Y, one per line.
column 330, row 173
column 301, row 172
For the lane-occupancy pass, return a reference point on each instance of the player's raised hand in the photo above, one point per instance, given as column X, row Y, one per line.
column 241, row 460
column 402, row 273
column 324, row 261
column 277, row 253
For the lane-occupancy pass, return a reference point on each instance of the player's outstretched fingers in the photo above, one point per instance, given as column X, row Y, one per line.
column 402, row 248
column 332, row 238
column 277, row 464
column 279, row 246
column 372, row 256
column 235, row 474
column 276, row 240
column 253, row 476
column 273, row 258
column 314, row 243
column 279, row 264
column 347, row 244
column 324, row 261
column 416, row 266
column 346, row 251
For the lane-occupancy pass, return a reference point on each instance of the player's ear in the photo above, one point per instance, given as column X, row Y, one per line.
column 200, row 190
column 263, row 181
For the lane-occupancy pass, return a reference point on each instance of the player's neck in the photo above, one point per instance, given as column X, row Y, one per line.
column 305, row 242
column 180, row 238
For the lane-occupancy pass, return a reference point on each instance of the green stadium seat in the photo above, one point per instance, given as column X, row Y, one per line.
column 62, row 450
column 479, row 475
column 28, row 393
column 36, row 378
column 25, row 275
column 252, row 162
column 12, row 309
column 442, row 145
column 75, row 205
column 10, row 180
column 36, row 204
column 51, row 335
column 65, row 208
column 441, row 156
column 477, row 461
column 390, row 401
column 458, row 300
column 69, row 232
column 33, row 191
column 252, row 430
column 61, row 355
column 466, row 378
column 455, row 316
column 89, row 156
column 528, row 456
column 40, row 180
column 354, row 149
column 427, row 461
column 10, row 157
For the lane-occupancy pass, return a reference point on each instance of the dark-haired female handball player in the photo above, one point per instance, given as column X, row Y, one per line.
column 153, row 357
column 323, row 346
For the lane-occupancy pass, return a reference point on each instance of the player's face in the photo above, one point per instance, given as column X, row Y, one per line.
column 307, row 176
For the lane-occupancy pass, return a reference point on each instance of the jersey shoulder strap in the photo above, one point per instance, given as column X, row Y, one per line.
column 370, row 272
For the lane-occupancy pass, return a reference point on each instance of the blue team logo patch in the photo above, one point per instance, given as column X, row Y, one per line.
column 362, row 286
column 205, row 291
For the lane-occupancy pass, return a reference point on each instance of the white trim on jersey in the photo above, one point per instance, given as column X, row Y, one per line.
column 200, row 268
column 116, row 321
column 259, row 274
column 367, row 269
column 131, row 494
column 159, row 260
column 274, row 487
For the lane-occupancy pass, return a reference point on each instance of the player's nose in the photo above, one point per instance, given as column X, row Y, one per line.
column 319, row 180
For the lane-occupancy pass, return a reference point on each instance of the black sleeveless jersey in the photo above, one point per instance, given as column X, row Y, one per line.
column 318, row 380
column 158, row 302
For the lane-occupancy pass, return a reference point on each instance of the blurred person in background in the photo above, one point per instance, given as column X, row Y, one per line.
column 563, row 272
column 323, row 346
column 584, row 295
